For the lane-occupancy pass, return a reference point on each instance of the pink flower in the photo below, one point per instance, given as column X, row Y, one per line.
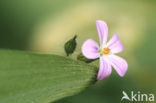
column 105, row 52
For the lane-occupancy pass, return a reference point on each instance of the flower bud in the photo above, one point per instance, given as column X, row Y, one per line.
column 70, row 45
column 84, row 59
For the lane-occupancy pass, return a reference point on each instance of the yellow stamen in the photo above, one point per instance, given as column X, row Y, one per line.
column 106, row 50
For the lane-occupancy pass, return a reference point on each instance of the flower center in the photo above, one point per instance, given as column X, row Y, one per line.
column 106, row 50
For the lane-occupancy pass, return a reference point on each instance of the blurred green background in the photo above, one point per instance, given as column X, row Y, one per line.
column 44, row 26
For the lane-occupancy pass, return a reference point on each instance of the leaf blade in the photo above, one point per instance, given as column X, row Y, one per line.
column 38, row 78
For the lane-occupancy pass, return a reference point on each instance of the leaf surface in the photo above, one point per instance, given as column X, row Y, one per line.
column 27, row 77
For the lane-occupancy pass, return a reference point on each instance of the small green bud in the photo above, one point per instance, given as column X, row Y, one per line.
column 84, row 59
column 70, row 45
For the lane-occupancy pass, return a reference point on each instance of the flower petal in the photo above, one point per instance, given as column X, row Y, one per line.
column 115, row 45
column 104, row 70
column 119, row 64
column 102, row 31
column 90, row 49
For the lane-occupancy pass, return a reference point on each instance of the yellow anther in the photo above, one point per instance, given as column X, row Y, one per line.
column 106, row 50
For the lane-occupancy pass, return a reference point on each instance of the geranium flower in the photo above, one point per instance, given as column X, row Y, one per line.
column 105, row 52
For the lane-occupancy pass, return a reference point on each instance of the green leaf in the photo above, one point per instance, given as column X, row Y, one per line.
column 27, row 77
